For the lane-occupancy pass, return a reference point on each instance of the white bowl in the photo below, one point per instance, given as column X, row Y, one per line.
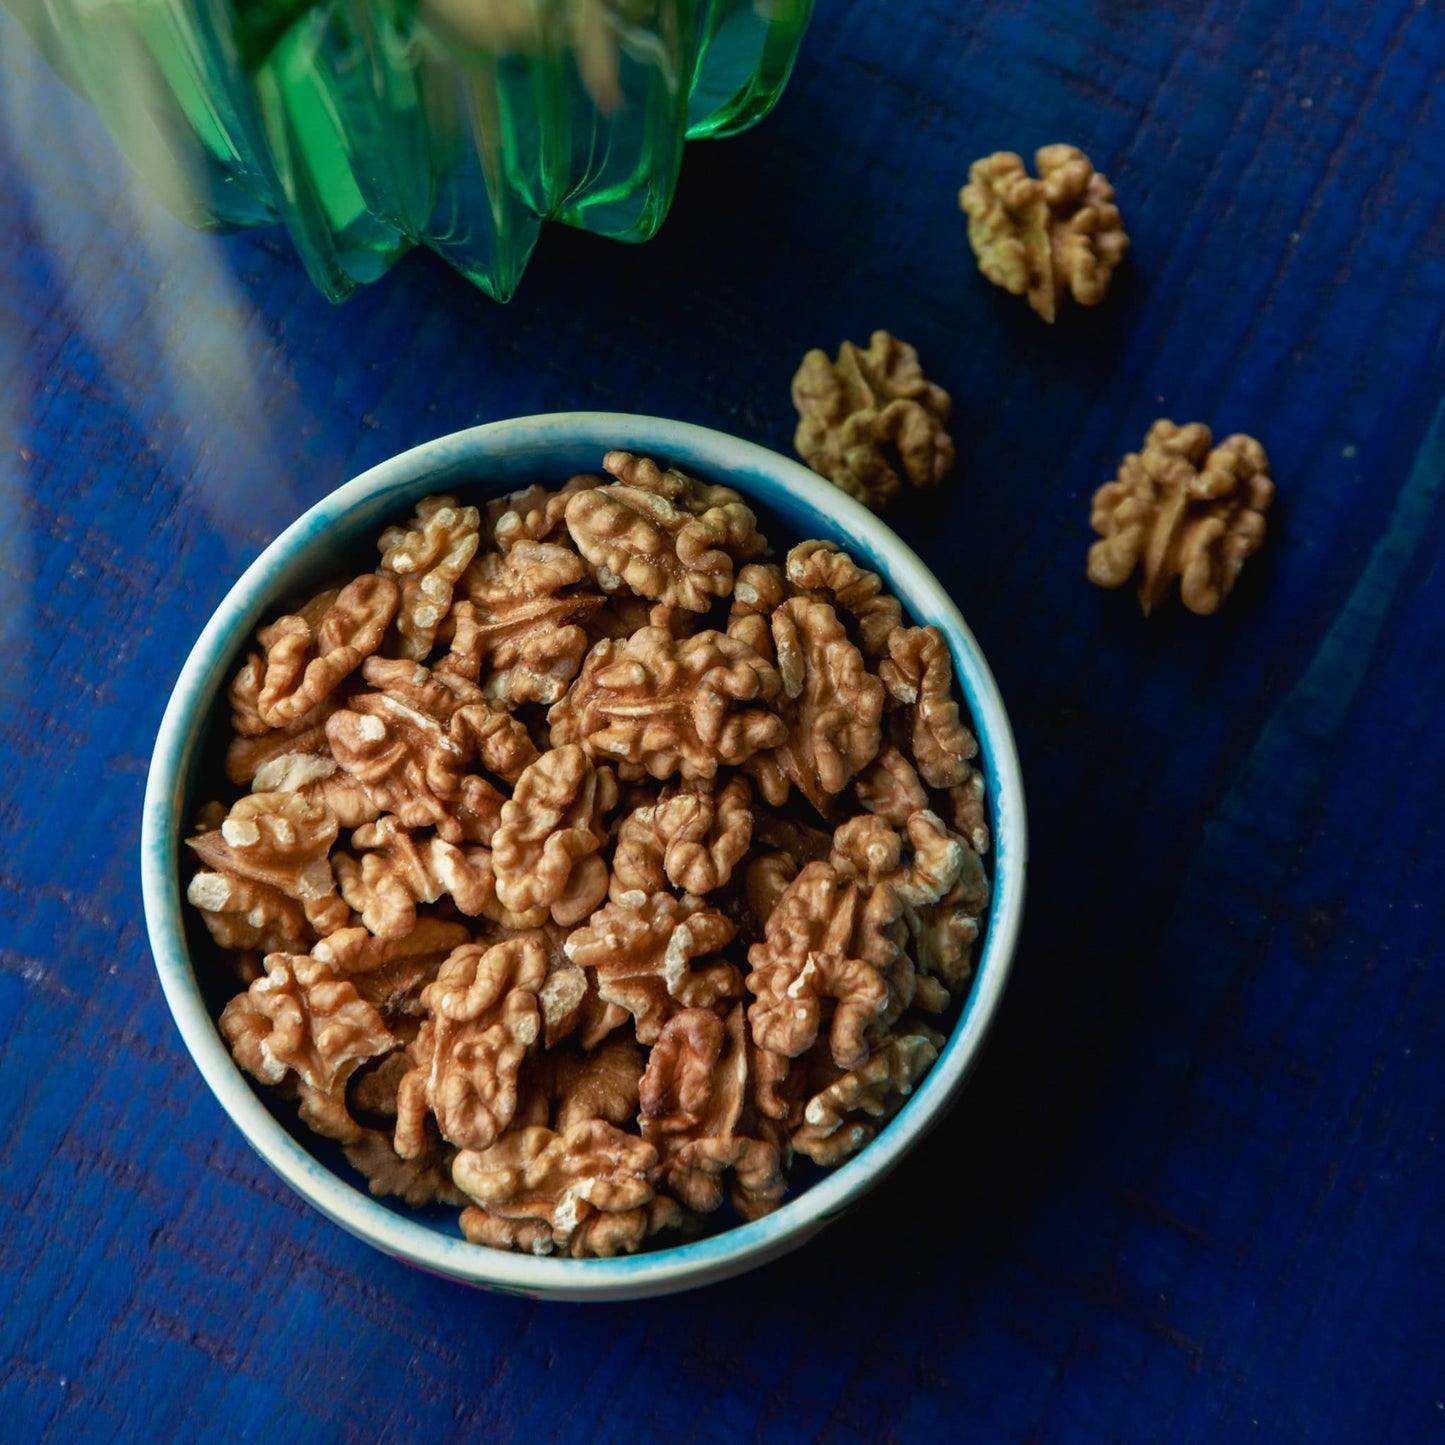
column 498, row 458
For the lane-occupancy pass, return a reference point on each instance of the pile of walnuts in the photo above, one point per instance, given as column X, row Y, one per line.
column 594, row 866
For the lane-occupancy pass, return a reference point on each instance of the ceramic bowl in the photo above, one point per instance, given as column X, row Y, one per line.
column 497, row 458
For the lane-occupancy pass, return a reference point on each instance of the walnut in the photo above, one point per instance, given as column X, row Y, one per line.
column 428, row 555
column 890, row 788
column 525, row 1235
column 536, row 514
column 553, row 1185
column 424, row 1180
column 390, row 973
column 687, row 493
column 545, row 847
column 412, row 746
column 308, row 653
column 302, row 1019
column 871, row 419
column 829, row 937
column 867, row 847
column 395, row 872
column 759, row 1183
column 355, row 951
column 323, row 1113
column 942, row 890
column 485, row 734
column 437, row 692
column 610, row 1233
column 258, row 738
column 244, row 694
column 672, row 705
column 760, row 587
column 598, row 1084
column 484, row 1019
column 462, row 632
column 1048, row 238
column 570, row 1004
column 689, row 837
column 282, row 841
column 527, row 620
column 785, row 1017
column 828, row 574
column 244, row 914
column 564, row 990
column 247, row 753
column 968, row 811
column 919, row 676
column 321, row 781
column 409, row 766
column 692, row 1099
column 1180, row 509
column 687, row 1087
column 945, row 934
column 780, row 1087
column 643, row 949
column 640, row 536
column 875, row 1090
column 831, row 704
column 501, row 743
column 371, row 1097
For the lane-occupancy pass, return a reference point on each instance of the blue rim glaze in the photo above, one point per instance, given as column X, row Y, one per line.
column 502, row 457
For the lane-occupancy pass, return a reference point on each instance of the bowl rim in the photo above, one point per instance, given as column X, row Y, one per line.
column 777, row 482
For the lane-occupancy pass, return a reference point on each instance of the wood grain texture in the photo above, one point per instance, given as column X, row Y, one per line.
column 1195, row 1190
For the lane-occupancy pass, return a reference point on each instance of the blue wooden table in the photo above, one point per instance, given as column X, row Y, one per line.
column 1195, row 1191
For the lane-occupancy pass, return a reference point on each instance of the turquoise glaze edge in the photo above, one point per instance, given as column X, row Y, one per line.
column 496, row 458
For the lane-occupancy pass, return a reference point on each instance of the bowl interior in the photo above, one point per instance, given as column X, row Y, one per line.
column 339, row 534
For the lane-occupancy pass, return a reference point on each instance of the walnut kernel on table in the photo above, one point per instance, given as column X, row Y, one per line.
column 1047, row 238
column 871, row 419
column 1181, row 508
column 589, row 862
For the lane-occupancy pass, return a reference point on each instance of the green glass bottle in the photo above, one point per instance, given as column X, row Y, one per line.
column 366, row 127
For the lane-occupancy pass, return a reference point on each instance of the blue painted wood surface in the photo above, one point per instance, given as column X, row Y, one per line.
column 1196, row 1190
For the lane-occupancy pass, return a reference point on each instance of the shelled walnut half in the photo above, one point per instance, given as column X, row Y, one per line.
column 1182, row 509
column 870, row 419
column 1047, row 238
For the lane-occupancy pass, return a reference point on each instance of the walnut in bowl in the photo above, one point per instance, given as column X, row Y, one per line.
column 585, row 866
